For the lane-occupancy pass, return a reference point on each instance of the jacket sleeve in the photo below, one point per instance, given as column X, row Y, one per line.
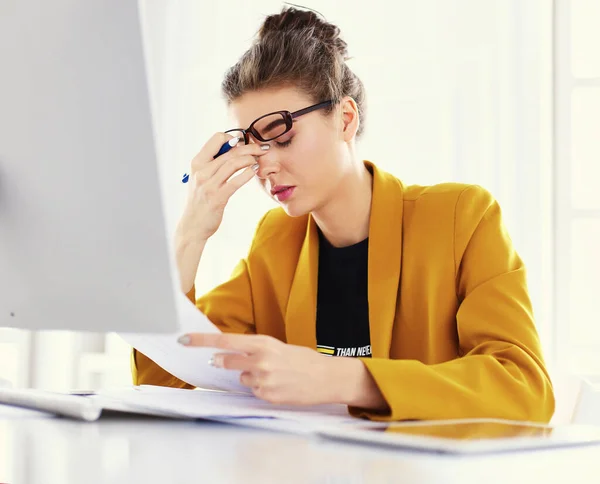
column 501, row 372
column 229, row 306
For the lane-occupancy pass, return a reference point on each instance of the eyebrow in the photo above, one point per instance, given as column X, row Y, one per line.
column 273, row 124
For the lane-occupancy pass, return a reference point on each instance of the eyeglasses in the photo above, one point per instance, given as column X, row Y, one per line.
column 274, row 125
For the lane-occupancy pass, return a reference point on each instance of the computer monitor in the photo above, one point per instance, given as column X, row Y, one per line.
column 83, row 236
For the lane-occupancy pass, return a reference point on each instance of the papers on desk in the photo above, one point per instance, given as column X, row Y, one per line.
column 222, row 397
column 223, row 406
column 187, row 364
column 231, row 401
column 173, row 403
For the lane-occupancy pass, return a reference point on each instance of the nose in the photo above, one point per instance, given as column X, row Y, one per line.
column 267, row 166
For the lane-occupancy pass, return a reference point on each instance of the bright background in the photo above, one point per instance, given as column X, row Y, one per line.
column 502, row 93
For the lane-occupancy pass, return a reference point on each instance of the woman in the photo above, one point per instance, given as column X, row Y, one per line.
column 419, row 288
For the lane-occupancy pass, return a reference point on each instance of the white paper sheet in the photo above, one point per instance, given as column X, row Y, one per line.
column 225, row 406
column 187, row 363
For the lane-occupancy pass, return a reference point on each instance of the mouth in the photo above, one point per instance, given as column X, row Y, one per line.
column 282, row 192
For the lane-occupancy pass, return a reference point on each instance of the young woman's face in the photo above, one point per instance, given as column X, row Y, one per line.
column 311, row 159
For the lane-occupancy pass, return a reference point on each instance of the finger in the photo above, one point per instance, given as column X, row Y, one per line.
column 236, row 182
column 233, row 167
column 248, row 380
column 244, row 343
column 210, row 148
column 210, row 165
column 214, row 175
column 224, row 166
column 234, row 361
column 253, row 149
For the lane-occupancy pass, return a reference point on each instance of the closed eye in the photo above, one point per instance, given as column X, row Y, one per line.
column 284, row 144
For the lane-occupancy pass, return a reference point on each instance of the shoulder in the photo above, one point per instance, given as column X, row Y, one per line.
column 277, row 229
column 442, row 198
column 444, row 193
column 466, row 203
column 458, row 216
column 457, row 205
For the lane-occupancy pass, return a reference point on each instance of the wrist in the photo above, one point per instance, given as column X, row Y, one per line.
column 350, row 383
column 343, row 378
column 186, row 237
column 187, row 247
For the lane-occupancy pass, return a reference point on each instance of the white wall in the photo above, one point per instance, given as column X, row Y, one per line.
column 458, row 90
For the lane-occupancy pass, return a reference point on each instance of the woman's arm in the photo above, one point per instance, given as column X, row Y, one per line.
column 502, row 372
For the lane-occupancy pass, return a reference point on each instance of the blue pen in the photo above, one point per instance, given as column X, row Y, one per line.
column 224, row 149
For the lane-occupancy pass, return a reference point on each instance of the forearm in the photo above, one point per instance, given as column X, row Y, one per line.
column 510, row 386
column 188, row 252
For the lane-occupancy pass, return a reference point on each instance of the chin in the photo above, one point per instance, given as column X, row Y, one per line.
column 295, row 209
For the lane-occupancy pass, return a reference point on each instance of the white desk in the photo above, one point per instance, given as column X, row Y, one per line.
column 151, row 451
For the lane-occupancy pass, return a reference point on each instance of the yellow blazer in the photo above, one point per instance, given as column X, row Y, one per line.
column 452, row 329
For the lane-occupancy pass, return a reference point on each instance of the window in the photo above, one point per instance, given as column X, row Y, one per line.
column 577, row 214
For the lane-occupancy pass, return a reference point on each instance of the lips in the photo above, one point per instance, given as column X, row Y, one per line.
column 279, row 188
column 282, row 192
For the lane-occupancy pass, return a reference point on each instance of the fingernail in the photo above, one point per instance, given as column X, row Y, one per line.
column 255, row 167
column 184, row 340
column 265, row 147
column 233, row 141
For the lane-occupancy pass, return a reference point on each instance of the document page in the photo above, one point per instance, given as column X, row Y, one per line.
column 186, row 363
column 222, row 405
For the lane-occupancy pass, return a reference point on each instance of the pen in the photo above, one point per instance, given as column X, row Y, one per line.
column 224, row 149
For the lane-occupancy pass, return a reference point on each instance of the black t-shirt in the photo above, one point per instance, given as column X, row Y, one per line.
column 342, row 300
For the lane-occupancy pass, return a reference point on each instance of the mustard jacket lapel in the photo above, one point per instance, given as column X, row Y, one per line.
column 385, row 257
column 301, row 312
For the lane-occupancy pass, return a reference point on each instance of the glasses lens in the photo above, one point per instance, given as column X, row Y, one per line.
column 271, row 126
column 236, row 134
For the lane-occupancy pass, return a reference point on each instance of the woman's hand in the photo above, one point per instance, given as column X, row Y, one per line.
column 286, row 374
column 211, row 186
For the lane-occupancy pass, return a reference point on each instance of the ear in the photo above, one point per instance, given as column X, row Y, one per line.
column 350, row 118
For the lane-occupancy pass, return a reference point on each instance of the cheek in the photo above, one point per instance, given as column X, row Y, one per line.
column 312, row 148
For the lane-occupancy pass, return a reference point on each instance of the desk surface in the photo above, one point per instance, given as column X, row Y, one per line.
column 144, row 450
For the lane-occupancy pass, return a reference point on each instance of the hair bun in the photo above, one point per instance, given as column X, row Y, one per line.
column 292, row 19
